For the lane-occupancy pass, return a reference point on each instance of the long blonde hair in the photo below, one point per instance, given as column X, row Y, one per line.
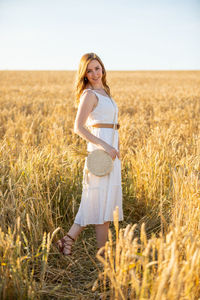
column 81, row 81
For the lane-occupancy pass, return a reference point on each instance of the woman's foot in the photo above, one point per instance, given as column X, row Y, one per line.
column 64, row 245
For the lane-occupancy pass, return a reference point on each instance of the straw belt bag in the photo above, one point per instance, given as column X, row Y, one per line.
column 99, row 162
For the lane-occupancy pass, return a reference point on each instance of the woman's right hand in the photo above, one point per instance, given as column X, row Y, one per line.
column 111, row 151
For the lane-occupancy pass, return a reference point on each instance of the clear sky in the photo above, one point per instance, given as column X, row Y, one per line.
column 126, row 34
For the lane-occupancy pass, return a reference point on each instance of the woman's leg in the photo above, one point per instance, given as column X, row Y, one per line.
column 74, row 231
column 102, row 233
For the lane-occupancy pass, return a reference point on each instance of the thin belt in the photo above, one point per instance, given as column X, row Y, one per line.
column 105, row 125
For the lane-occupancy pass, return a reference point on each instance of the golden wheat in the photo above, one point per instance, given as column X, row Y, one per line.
column 156, row 252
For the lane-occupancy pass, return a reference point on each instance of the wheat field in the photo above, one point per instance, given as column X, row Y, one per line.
column 155, row 252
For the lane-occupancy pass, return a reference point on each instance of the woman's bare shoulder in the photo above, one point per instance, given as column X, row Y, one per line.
column 88, row 99
column 88, row 95
column 87, row 92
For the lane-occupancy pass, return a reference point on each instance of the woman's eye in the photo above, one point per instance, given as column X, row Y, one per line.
column 97, row 68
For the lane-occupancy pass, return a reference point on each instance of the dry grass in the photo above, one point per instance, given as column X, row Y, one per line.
column 40, row 189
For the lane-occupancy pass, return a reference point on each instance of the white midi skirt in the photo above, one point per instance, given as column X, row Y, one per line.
column 101, row 195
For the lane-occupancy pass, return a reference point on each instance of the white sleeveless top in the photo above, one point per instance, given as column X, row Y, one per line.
column 104, row 112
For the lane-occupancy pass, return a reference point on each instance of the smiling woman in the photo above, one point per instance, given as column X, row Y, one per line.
column 100, row 195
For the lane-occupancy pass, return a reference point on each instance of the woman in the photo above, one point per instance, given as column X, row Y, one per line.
column 96, row 110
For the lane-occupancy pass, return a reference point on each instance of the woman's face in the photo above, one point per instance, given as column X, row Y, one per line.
column 94, row 73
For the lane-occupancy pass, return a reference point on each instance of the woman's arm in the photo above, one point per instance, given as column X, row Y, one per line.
column 87, row 104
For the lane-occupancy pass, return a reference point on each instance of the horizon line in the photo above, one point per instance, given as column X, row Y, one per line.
column 108, row 70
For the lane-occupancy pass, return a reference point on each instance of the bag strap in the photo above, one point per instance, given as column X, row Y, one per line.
column 114, row 122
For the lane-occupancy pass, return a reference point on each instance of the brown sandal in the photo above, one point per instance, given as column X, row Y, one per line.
column 63, row 244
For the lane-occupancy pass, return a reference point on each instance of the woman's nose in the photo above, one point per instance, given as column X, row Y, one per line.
column 95, row 73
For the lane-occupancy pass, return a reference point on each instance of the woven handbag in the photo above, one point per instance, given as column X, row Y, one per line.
column 99, row 162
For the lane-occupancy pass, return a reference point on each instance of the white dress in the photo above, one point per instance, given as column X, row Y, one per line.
column 100, row 195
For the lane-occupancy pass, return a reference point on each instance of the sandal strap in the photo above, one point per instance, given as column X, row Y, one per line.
column 65, row 244
column 70, row 237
